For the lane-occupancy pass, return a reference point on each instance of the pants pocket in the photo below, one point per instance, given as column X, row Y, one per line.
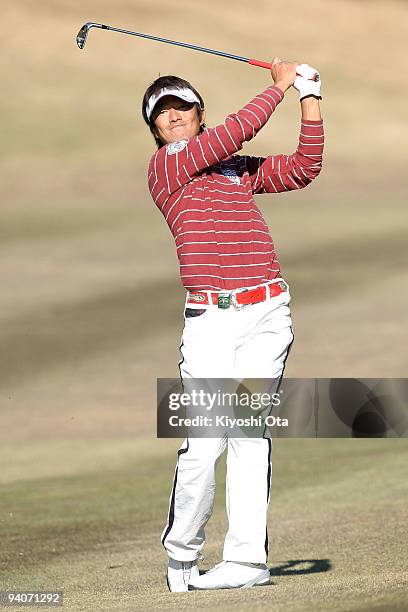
column 194, row 312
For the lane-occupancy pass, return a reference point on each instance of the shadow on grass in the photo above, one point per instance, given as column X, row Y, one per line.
column 314, row 566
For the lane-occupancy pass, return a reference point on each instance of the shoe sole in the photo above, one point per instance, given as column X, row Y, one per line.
column 261, row 580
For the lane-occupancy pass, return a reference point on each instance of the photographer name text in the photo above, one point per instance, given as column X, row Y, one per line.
column 225, row 421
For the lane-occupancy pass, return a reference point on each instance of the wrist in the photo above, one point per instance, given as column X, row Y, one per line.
column 281, row 85
column 310, row 97
column 310, row 109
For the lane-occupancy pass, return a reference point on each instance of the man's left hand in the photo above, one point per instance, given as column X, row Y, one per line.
column 304, row 83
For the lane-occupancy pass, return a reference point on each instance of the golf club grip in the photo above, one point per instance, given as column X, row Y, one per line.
column 261, row 64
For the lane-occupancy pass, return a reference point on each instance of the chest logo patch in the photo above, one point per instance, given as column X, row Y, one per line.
column 176, row 147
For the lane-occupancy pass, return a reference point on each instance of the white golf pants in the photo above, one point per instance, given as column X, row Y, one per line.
column 251, row 342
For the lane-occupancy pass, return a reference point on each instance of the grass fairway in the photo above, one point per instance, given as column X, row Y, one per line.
column 89, row 522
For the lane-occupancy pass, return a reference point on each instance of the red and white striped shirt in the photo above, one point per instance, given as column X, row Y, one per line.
column 205, row 193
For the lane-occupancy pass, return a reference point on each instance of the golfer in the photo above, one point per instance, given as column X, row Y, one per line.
column 237, row 320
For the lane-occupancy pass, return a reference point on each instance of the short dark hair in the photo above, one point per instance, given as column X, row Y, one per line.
column 155, row 88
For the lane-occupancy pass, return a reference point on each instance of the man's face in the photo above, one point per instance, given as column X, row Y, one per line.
column 175, row 119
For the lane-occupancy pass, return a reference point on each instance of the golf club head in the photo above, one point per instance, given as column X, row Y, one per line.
column 83, row 32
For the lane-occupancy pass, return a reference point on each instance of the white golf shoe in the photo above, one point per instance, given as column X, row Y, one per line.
column 231, row 575
column 179, row 574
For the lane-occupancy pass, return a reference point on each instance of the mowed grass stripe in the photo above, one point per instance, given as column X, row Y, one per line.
column 53, row 517
column 69, row 334
column 49, row 518
column 66, row 335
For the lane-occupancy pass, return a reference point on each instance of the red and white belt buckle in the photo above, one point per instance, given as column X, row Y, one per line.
column 197, row 298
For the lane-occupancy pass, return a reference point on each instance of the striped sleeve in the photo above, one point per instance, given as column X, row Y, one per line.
column 278, row 173
column 176, row 164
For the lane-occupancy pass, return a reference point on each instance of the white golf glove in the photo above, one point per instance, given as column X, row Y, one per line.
column 304, row 83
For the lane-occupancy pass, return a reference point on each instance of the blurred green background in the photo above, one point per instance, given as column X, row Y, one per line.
column 91, row 302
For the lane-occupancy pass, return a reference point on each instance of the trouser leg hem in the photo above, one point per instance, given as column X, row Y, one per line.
column 184, row 560
column 243, row 559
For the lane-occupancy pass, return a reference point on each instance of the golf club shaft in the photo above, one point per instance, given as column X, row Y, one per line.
column 179, row 44
column 251, row 61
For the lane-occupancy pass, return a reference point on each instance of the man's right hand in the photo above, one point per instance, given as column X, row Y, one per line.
column 283, row 73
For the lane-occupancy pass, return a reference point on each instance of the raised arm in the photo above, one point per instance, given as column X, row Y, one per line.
column 277, row 173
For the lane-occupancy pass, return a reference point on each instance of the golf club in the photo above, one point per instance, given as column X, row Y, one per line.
column 83, row 35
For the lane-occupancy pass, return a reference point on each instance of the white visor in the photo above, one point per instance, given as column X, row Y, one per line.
column 184, row 94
